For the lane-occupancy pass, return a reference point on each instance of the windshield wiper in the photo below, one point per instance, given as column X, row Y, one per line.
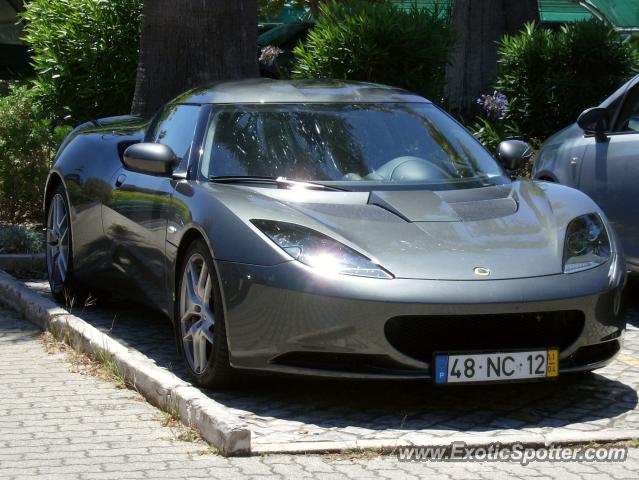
column 280, row 182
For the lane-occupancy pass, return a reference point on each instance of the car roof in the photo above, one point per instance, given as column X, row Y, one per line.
column 266, row 90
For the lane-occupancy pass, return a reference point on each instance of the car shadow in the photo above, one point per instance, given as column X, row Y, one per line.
column 390, row 408
column 419, row 405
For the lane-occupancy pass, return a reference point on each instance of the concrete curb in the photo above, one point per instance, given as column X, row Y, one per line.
column 23, row 262
column 215, row 422
column 527, row 439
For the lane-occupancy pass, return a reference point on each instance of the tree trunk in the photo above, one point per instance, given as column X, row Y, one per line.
column 188, row 43
column 479, row 25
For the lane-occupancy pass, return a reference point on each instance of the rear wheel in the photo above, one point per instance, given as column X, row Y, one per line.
column 59, row 249
column 199, row 325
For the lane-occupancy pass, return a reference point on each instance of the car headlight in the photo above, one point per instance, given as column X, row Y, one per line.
column 587, row 244
column 316, row 250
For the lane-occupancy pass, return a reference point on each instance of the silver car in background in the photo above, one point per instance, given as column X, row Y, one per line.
column 599, row 155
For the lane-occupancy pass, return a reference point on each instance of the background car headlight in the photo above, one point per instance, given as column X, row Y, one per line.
column 587, row 244
column 316, row 250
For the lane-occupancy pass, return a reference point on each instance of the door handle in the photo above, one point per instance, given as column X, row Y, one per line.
column 120, row 181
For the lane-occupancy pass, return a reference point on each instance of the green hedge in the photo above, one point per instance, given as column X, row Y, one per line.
column 27, row 146
column 551, row 76
column 21, row 239
column 85, row 53
column 378, row 42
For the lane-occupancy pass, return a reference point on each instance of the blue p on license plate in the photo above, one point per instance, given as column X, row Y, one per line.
column 498, row 366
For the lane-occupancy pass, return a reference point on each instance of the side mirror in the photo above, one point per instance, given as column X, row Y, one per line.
column 595, row 120
column 151, row 158
column 513, row 154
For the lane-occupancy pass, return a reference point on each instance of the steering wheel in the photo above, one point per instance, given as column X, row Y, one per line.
column 408, row 169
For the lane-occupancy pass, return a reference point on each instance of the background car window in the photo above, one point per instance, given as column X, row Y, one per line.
column 628, row 120
column 176, row 128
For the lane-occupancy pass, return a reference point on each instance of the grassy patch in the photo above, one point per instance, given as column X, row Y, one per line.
column 208, row 451
column 171, row 419
column 102, row 366
column 356, row 454
column 634, row 443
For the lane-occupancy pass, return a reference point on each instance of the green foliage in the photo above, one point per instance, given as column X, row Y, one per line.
column 27, row 144
column 551, row 76
column 378, row 42
column 494, row 126
column 85, row 53
column 21, row 239
column 491, row 134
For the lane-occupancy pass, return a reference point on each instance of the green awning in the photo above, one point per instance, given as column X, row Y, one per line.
column 562, row 11
column 622, row 14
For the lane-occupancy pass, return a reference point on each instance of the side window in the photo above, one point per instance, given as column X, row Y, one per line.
column 628, row 120
column 176, row 128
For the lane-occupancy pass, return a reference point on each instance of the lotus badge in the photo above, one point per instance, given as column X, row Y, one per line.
column 482, row 271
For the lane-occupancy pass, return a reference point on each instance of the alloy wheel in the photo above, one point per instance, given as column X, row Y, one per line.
column 57, row 240
column 197, row 320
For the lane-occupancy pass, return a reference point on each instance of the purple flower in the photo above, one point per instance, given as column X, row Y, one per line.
column 495, row 105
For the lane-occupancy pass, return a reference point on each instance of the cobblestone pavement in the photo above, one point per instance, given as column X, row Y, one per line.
column 59, row 424
column 296, row 410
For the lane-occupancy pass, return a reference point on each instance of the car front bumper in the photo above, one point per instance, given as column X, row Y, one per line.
column 289, row 319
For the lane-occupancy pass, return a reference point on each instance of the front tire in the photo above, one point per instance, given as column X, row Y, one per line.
column 199, row 320
column 59, row 250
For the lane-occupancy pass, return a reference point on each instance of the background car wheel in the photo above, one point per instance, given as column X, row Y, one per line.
column 59, row 250
column 200, row 328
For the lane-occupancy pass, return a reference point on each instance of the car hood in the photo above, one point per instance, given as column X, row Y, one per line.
column 515, row 230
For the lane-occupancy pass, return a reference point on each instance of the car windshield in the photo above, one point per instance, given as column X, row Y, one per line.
column 356, row 146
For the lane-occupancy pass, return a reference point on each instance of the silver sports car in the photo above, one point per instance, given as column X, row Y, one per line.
column 599, row 155
column 334, row 229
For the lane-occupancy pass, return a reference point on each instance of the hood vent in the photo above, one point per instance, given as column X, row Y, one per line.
column 418, row 206
column 467, row 205
column 481, row 204
column 485, row 209
column 328, row 212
